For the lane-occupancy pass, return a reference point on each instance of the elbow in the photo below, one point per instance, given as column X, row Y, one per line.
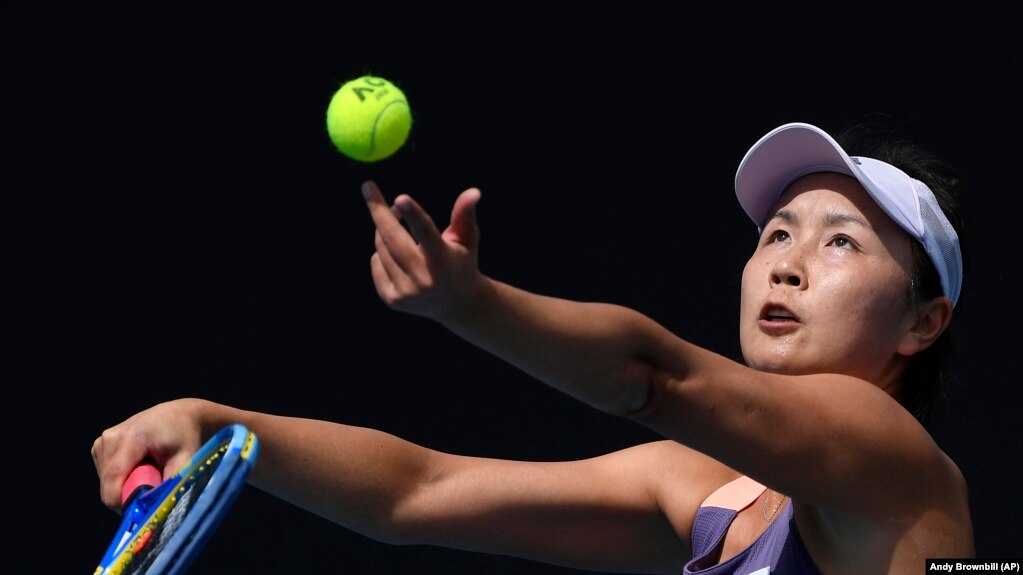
column 629, row 395
column 412, row 518
column 652, row 386
column 386, row 528
column 637, row 399
column 666, row 401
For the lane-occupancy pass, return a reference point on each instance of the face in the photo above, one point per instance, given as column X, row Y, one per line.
column 827, row 289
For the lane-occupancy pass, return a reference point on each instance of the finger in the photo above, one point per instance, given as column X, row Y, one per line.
column 397, row 276
column 464, row 228
column 421, row 225
column 109, row 490
column 109, row 486
column 176, row 463
column 399, row 242
column 382, row 282
column 113, row 465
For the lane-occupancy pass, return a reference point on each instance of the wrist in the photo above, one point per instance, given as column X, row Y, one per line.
column 471, row 305
column 209, row 417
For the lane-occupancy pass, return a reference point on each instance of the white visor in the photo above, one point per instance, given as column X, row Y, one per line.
column 795, row 150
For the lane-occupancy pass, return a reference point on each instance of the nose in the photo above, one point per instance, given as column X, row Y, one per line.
column 789, row 270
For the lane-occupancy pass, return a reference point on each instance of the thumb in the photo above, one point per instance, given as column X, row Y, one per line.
column 463, row 228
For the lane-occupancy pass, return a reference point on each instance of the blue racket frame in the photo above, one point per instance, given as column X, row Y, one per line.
column 146, row 512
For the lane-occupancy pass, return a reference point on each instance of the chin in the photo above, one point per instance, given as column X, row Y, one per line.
column 769, row 367
column 781, row 365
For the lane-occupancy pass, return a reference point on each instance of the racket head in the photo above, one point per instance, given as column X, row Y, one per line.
column 163, row 529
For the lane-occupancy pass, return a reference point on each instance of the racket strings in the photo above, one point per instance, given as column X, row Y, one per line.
column 183, row 499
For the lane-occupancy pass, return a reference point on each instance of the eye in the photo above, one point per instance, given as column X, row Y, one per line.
column 777, row 236
column 843, row 242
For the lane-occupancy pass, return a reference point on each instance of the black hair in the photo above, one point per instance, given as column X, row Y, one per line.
column 929, row 378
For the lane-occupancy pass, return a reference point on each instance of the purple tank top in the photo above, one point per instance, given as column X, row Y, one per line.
column 779, row 550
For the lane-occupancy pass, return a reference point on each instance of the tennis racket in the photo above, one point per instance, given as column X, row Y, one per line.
column 165, row 524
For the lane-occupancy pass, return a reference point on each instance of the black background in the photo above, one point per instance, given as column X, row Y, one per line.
column 176, row 222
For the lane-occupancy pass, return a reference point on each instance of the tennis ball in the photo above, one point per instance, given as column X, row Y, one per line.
column 368, row 119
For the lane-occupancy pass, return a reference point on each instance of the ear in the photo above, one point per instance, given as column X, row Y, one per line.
column 931, row 320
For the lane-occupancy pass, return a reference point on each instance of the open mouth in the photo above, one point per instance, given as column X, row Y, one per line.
column 777, row 313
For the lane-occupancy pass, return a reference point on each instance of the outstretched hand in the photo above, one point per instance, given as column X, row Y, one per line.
column 420, row 269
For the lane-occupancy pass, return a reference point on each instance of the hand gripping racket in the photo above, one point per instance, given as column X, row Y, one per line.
column 166, row 524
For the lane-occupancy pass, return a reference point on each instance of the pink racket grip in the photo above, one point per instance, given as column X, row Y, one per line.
column 144, row 477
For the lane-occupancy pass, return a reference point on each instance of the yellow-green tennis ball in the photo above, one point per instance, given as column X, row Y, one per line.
column 368, row 119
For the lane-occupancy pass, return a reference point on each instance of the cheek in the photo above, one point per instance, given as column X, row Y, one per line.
column 747, row 295
column 868, row 300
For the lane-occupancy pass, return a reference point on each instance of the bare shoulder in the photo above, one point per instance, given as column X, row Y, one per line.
column 934, row 521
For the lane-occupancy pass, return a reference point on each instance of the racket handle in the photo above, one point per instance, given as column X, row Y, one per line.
column 143, row 478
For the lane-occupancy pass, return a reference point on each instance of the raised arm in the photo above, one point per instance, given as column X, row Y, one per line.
column 772, row 427
column 597, row 352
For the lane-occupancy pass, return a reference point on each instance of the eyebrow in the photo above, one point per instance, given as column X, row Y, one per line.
column 836, row 218
column 831, row 218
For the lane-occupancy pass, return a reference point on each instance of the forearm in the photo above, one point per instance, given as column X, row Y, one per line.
column 599, row 353
column 353, row 476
